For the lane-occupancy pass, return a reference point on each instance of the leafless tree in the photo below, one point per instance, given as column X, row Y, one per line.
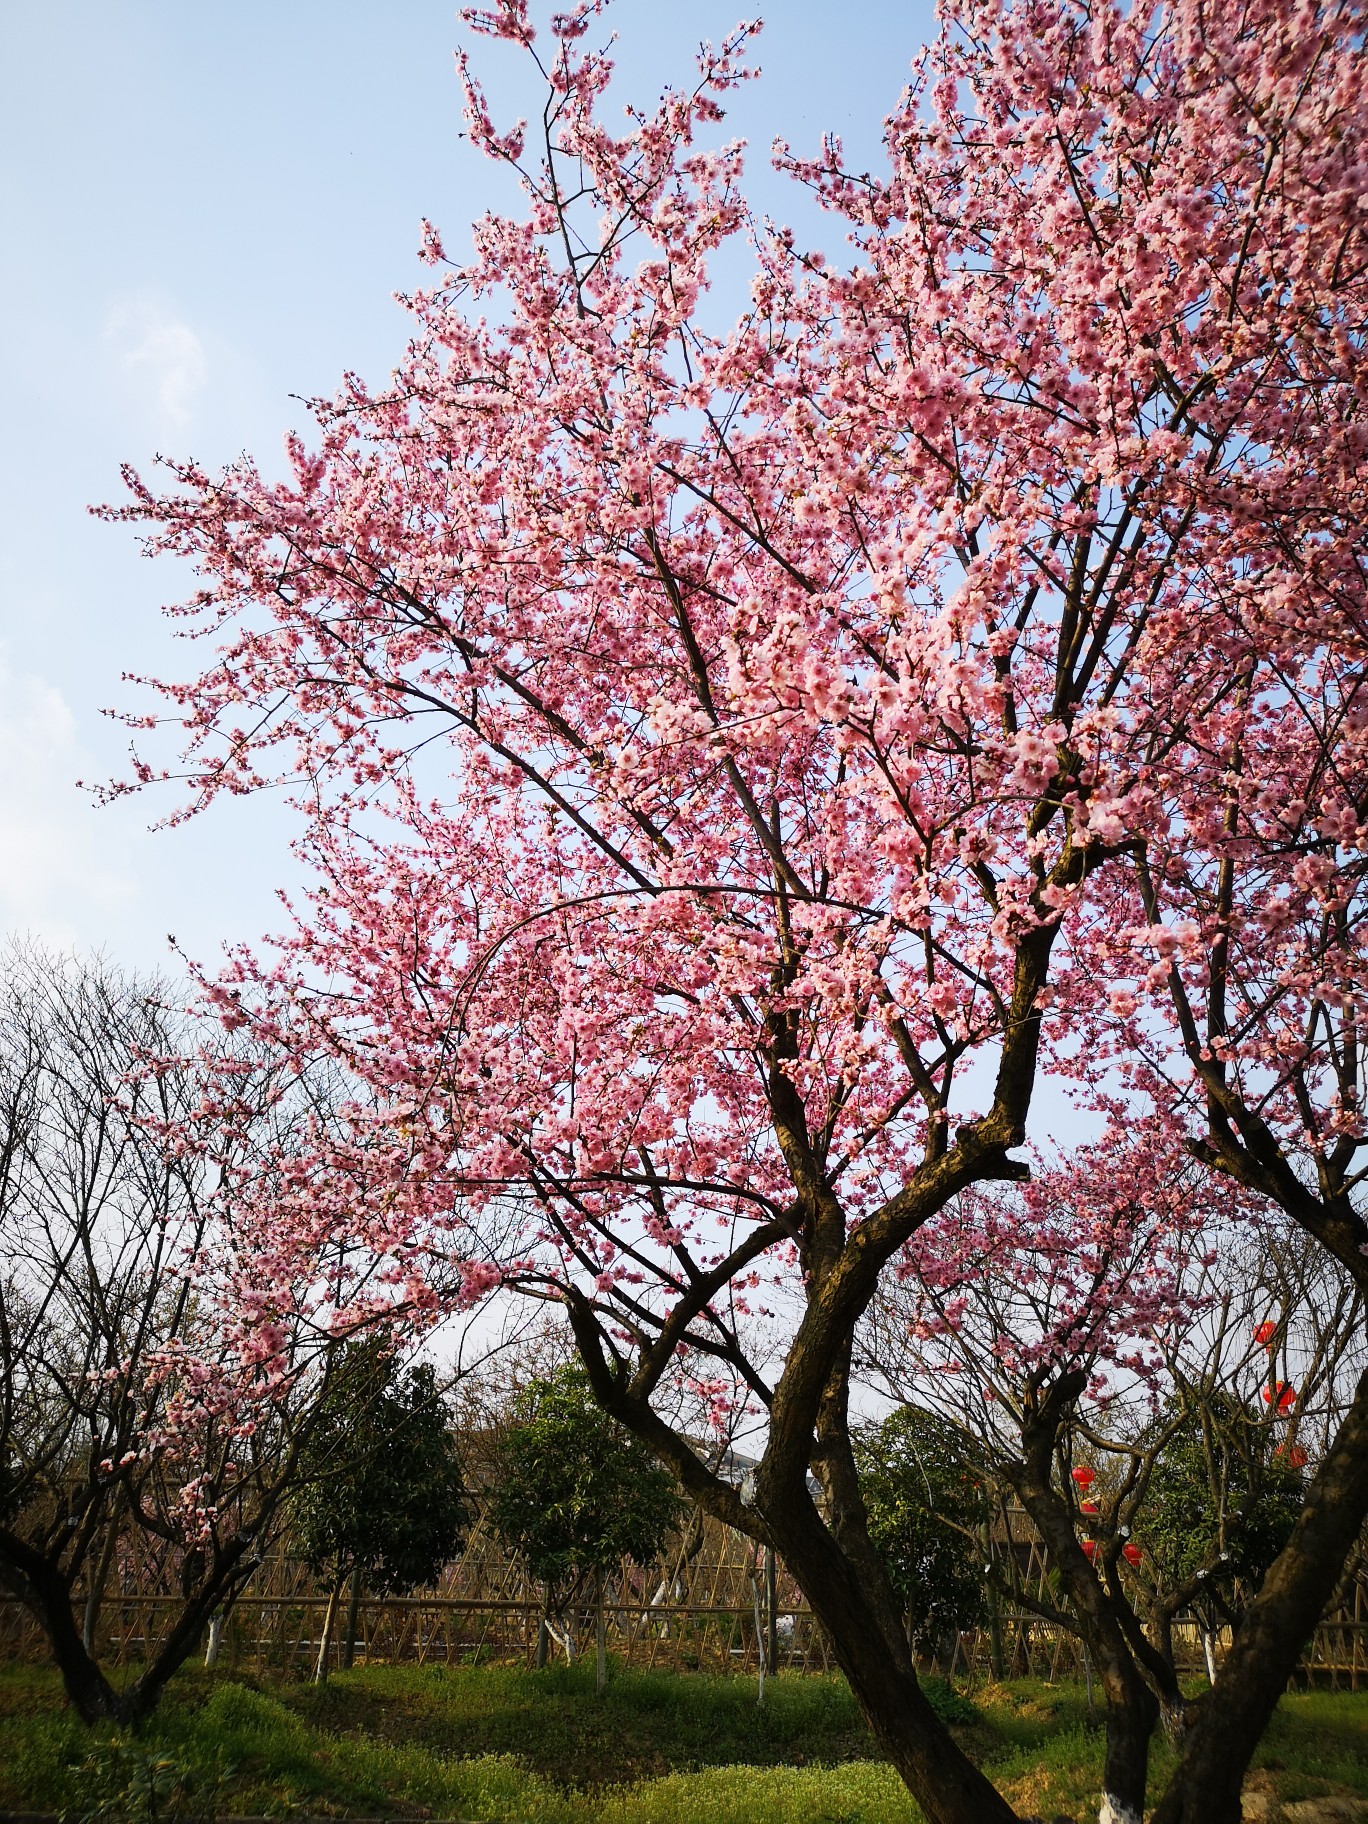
column 116, row 1434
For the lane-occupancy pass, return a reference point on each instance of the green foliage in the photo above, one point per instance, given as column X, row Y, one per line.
column 1221, row 1497
column 383, row 1486
column 575, row 1491
column 926, row 1503
column 126, row 1783
column 947, row 1703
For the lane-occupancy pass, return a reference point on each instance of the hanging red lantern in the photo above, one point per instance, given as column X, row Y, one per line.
column 1083, row 1476
column 1266, row 1332
column 1088, row 1507
column 1131, row 1553
column 1285, row 1395
column 1089, row 1549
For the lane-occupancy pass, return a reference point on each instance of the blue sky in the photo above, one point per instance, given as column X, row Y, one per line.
column 207, row 210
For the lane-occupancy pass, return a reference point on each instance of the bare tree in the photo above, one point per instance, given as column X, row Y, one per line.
column 131, row 1421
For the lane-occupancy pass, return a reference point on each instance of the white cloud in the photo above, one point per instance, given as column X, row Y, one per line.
column 64, row 871
column 160, row 357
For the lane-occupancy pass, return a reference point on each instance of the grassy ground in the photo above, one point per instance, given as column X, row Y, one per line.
column 514, row 1746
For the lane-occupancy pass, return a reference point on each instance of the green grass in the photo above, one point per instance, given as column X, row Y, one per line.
column 519, row 1747
column 645, row 1725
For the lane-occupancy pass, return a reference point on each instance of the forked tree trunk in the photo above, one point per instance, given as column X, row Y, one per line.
column 1228, row 1721
column 46, row 1593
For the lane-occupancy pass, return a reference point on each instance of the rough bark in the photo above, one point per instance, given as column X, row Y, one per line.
column 943, row 1780
column 1132, row 1708
column 47, row 1594
column 1228, row 1721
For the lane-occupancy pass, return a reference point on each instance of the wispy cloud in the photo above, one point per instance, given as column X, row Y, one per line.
column 158, row 355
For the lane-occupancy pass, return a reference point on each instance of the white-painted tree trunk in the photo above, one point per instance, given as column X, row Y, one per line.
column 325, row 1645
column 1114, row 1812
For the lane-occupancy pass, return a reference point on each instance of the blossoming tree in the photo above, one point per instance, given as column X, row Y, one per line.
column 735, row 765
column 1148, row 1371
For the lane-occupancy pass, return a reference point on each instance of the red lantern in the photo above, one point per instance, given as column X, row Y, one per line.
column 1088, row 1507
column 1089, row 1549
column 1285, row 1395
column 1266, row 1332
column 1297, row 1457
column 1131, row 1553
column 1084, row 1477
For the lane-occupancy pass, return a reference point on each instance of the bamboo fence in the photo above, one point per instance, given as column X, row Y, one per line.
column 706, row 1604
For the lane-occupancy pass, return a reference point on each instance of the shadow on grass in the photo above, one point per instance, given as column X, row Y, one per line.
column 505, row 1744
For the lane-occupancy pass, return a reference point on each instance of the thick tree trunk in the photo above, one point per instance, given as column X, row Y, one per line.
column 1227, row 1723
column 90, row 1693
column 46, row 1592
column 940, row 1776
column 1131, row 1719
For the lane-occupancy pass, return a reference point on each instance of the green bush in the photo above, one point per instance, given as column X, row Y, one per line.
column 126, row 1782
column 926, row 1503
column 575, row 1491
